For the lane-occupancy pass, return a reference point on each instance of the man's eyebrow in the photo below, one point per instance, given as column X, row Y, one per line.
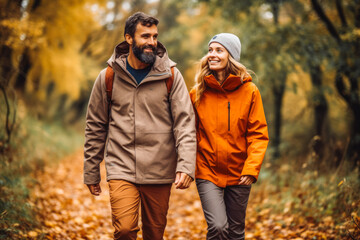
column 148, row 34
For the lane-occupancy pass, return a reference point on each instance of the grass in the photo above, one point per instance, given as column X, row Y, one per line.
column 330, row 199
column 34, row 145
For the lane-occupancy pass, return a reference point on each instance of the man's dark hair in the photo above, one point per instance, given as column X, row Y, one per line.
column 139, row 17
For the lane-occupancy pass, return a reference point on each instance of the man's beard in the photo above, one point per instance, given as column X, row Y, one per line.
column 145, row 57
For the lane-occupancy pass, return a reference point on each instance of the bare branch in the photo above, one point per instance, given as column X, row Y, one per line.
column 7, row 128
column 275, row 11
column 350, row 235
column 339, row 83
column 356, row 11
column 355, row 222
column 340, row 11
column 329, row 25
column 14, row 117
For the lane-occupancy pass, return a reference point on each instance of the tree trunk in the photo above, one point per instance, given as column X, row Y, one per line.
column 6, row 66
column 24, row 67
column 25, row 60
column 278, row 92
column 10, row 11
column 319, row 100
column 8, row 126
column 320, row 114
column 354, row 145
column 347, row 66
column 351, row 97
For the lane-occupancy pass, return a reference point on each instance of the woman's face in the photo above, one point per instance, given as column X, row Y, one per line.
column 218, row 57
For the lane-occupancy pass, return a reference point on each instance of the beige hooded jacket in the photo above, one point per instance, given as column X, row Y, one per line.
column 151, row 135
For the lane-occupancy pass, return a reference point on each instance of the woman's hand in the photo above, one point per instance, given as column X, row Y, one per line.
column 246, row 180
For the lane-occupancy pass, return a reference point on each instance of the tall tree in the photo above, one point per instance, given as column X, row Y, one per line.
column 344, row 31
column 9, row 11
column 25, row 61
column 278, row 88
column 311, row 52
column 40, row 46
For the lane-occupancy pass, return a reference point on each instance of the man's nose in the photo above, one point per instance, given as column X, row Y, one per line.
column 151, row 41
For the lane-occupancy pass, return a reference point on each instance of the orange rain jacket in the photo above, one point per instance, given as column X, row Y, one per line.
column 232, row 134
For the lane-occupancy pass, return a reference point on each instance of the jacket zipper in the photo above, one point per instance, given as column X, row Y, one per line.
column 228, row 116
column 134, row 104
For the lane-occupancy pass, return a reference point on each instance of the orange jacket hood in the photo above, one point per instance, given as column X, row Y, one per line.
column 231, row 83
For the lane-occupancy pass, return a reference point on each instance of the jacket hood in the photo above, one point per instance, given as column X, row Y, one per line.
column 231, row 83
column 162, row 62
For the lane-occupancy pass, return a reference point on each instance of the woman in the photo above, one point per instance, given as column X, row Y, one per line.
column 232, row 137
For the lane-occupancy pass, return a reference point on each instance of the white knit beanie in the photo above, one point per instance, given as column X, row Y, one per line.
column 230, row 41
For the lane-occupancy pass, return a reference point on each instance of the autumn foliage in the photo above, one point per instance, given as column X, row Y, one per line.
column 305, row 55
column 66, row 210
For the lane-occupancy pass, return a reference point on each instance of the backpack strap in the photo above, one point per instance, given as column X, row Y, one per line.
column 169, row 81
column 109, row 79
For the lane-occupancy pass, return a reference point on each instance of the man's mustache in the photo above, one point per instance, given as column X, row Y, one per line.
column 149, row 47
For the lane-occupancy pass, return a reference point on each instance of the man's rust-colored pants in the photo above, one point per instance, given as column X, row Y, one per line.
column 125, row 199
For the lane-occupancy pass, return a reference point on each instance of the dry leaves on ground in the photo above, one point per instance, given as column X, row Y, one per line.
column 68, row 211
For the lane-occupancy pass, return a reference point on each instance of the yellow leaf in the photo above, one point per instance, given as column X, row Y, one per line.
column 32, row 234
column 340, row 183
column 79, row 220
column 49, row 223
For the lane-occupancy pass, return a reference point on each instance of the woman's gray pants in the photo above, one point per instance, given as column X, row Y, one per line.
column 224, row 209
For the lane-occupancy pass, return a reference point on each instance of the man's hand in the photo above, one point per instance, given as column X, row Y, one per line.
column 95, row 189
column 182, row 180
column 246, row 180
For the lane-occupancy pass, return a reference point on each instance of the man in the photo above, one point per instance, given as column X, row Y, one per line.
column 148, row 137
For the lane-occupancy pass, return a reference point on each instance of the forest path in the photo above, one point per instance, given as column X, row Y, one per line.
column 68, row 211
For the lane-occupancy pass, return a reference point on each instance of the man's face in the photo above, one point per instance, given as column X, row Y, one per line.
column 144, row 44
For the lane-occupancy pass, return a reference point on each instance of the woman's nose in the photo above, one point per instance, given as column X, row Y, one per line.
column 211, row 53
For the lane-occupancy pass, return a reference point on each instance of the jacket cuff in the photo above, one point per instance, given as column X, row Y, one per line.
column 184, row 170
column 91, row 179
column 250, row 173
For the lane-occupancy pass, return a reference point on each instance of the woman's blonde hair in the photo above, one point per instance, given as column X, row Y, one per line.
column 233, row 67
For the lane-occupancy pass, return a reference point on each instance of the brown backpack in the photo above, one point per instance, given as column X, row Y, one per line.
column 109, row 79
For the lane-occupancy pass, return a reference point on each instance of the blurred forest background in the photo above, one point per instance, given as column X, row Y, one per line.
column 305, row 53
